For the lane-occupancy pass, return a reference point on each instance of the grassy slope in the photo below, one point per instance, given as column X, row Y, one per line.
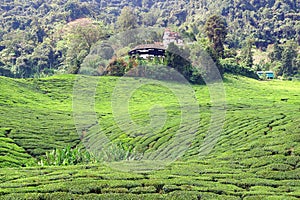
column 10, row 153
column 249, row 161
column 38, row 115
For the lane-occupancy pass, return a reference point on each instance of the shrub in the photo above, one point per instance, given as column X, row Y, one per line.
column 143, row 190
column 118, row 152
column 114, row 190
column 230, row 66
column 183, row 195
column 66, row 156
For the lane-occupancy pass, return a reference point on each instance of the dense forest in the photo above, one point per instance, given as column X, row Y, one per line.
column 41, row 38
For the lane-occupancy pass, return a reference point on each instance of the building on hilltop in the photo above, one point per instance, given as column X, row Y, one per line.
column 156, row 49
column 148, row 50
column 170, row 36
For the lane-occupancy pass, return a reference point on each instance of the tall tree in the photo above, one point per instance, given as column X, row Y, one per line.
column 127, row 19
column 276, row 54
column 247, row 54
column 216, row 30
column 79, row 37
column 289, row 56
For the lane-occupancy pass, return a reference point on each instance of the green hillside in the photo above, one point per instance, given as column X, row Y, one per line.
column 10, row 153
column 38, row 116
column 257, row 155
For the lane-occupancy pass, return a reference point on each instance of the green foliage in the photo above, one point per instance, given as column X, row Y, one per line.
column 216, row 31
column 39, row 113
column 177, row 58
column 276, row 54
column 12, row 155
column 118, row 67
column 246, row 57
column 231, row 66
column 127, row 19
column 67, row 156
column 119, row 152
column 80, row 35
column 256, row 156
column 157, row 68
column 202, row 49
column 34, row 41
column 288, row 56
column 150, row 18
column 41, row 42
column 285, row 59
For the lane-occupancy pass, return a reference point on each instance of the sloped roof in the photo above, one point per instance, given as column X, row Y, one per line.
column 149, row 46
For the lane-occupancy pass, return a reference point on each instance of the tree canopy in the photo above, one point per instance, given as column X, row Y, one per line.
column 216, row 30
column 35, row 40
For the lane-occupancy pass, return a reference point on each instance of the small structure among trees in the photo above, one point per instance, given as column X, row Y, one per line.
column 170, row 36
column 265, row 74
column 157, row 49
column 148, row 50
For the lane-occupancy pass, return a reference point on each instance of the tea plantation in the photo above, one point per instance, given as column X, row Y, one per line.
column 257, row 154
